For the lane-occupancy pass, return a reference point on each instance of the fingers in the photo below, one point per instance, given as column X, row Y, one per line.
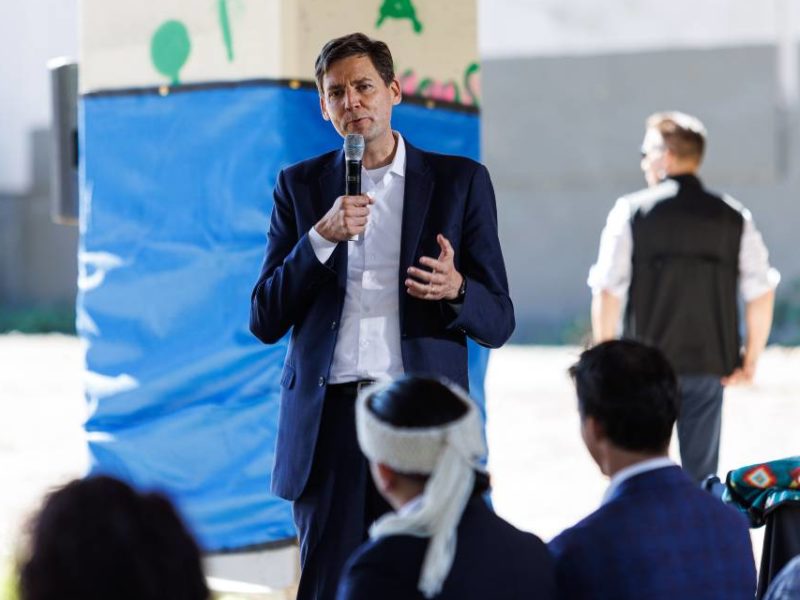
column 354, row 222
column 735, row 378
column 362, row 200
column 434, row 277
column 424, row 291
column 355, row 211
column 436, row 264
column 444, row 244
column 346, row 218
column 354, row 214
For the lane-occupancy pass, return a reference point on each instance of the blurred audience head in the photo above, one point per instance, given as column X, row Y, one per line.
column 97, row 538
column 627, row 399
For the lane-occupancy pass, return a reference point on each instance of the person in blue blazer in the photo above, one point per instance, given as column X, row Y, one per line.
column 371, row 286
column 657, row 535
column 423, row 439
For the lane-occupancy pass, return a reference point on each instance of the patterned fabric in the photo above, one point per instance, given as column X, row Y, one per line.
column 757, row 489
column 659, row 537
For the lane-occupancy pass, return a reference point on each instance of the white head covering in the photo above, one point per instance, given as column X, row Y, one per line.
column 450, row 454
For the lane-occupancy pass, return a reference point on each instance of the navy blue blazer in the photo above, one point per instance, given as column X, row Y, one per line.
column 493, row 560
column 658, row 537
column 444, row 194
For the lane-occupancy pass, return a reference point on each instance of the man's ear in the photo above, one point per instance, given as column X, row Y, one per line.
column 669, row 160
column 387, row 478
column 322, row 109
column 594, row 430
column 397, row 93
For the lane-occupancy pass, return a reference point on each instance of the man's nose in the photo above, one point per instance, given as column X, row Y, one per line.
column 352, row 99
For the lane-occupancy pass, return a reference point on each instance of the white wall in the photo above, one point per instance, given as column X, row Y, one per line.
column 561, row 27
column 31, row 32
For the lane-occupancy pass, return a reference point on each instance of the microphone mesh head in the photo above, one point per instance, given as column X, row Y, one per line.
column 354, row 146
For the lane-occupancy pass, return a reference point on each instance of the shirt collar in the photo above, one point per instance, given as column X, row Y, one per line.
column 638, row 468
column 399, row 162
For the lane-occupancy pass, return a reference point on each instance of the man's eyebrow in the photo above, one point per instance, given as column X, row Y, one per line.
column 339, row 86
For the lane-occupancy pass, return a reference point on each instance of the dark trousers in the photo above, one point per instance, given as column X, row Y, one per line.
column 699, row 424
column 339, row 503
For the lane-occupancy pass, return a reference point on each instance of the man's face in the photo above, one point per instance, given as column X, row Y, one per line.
column 356, row 100
column 654, row 157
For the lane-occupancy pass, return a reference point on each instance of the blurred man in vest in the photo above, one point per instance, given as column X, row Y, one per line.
column 682, row 255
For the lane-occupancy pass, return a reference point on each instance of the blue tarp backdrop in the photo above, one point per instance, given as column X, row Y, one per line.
column 175, row 203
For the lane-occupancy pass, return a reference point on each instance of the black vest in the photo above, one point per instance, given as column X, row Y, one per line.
column 683, row 291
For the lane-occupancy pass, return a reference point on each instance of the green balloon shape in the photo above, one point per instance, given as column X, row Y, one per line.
column 170, row 48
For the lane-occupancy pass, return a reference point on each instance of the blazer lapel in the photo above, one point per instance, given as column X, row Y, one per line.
column 331, row 186
column 416, row 201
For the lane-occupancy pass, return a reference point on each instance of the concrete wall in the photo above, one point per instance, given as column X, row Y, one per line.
column 562, row 138
column 38, row 259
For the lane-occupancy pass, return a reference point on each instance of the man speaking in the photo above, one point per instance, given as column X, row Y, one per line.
column 373, row 286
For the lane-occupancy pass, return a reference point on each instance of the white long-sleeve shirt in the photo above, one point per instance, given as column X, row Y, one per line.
column 613, row 270
column 368, row 343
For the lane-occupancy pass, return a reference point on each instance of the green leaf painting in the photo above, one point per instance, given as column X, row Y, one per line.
column 169, row 49
column 399, row 9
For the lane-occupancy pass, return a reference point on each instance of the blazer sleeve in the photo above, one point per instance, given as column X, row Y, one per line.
column 487, row 314
column 290, row 273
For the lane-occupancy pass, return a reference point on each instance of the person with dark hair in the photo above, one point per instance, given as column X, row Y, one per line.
column 98, row 539
column 372, row 286
column 657, row 535
column 423, row 439
column 682, row 255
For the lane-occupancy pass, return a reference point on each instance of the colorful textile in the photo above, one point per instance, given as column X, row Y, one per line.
column 758, row 489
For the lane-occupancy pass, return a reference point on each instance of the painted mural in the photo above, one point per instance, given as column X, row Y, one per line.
column 162, row 43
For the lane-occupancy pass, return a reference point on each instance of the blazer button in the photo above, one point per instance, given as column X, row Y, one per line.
column 333, row 325
column 321, row 381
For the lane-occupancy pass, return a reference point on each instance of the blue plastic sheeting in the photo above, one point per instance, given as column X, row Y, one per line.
column 175, row 202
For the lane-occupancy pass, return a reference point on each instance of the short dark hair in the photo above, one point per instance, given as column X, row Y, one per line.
column 684, row 135
column 355, row 44
column 631, row 390
column 98, row 538
column 415, row 402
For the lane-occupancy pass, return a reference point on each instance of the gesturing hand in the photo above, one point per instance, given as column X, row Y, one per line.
column 440, row 281
column 346, row 218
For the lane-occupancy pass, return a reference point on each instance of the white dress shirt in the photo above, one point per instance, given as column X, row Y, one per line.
column 612, row 271
column 644, row 466
column 368, row 344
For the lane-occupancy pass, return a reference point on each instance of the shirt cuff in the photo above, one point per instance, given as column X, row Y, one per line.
column 322, row 248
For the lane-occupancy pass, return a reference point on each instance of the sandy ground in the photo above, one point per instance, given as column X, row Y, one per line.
column 543, row 478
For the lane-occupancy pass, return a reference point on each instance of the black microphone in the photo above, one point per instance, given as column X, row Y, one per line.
column 353, row 153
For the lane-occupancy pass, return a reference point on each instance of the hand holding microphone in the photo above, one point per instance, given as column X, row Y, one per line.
column 347, row 218
column 353, row 155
